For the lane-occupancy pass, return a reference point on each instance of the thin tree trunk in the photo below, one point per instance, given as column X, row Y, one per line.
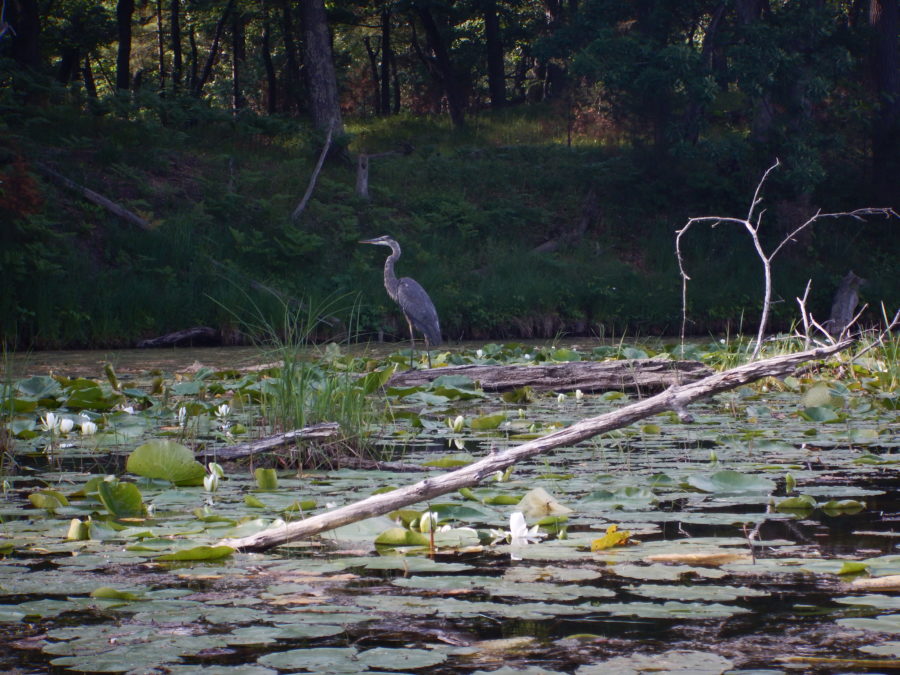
column 25, row 19
column 238, row 57
column 175, row 21
column 271, row 77
column 124, row 13
column 494, row 46
column 195, row 58
column 87, row 74
column 442, row 68
column 387, row 59
column 160, row 46
column 376, row 80
column 213, row 50
column 292, row 58
column 321, row 79
column 675, row 398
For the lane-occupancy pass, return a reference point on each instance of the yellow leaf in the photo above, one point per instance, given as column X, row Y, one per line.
column 612, row 538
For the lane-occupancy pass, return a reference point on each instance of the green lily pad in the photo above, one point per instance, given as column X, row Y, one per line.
column 168, row 460
column 731, row 482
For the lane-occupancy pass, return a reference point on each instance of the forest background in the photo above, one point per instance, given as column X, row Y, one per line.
column 533, row 158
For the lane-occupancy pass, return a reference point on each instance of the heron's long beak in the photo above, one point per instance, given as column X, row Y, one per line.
column 367, row 241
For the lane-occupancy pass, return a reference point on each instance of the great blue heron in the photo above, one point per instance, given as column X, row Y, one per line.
column 417, row 307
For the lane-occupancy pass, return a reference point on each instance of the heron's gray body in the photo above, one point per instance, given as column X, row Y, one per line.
column 408, row 293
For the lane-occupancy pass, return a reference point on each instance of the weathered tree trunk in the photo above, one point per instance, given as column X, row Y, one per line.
column 124, row 13
column 270, row 443
column 631, row 374
column 376, row 79
column 321, row 80
column 675, row 398
column 199, row 335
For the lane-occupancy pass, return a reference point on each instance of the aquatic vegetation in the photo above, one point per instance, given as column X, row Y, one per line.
column 113, row 537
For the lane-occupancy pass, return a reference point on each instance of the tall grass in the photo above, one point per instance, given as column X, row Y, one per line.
column 312, row 384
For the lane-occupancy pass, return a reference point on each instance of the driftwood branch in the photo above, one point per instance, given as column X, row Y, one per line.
column 96, row 198
column 674, row 398
column 323, row 430
column 315, row 175
column 631, row 374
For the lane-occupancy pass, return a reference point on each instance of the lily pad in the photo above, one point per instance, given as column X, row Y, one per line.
column 168, row 460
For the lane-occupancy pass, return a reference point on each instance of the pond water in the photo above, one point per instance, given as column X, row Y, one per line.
column 754, row 532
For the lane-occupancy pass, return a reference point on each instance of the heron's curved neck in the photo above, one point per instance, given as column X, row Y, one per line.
column 391, row 283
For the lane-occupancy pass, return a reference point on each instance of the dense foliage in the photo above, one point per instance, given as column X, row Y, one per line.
column 542, row 157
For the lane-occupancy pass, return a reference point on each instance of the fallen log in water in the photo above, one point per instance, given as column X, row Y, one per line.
column 269, row 443
column 589, row 376
column 198, row 335
column 674, row 398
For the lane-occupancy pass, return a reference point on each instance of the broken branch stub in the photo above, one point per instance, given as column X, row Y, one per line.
column 673, row 398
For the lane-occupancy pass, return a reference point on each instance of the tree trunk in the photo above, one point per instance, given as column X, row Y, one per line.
column 160, row 46
column 675, row 398
column 124, row 13
column 589, row 376
column 554, row 74
column 238, row 58
column 321, row 79
column 441, row 67
column 87, row 74
column 271, row 77
column 292, row 59
column 213, row 50
column 68, row 65
column 25, row 19
column 376, row 79
column 494, row 46
column 175, row 21
column 387, row 59
column 883, row 17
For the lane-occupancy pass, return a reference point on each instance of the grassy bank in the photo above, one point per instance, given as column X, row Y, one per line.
column 514, row 232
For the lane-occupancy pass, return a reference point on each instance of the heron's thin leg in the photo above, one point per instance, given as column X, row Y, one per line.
column 412, row 343
column 428, row 352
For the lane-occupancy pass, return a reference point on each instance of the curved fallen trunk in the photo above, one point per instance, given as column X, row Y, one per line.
column 675, row 398
column 589, row 376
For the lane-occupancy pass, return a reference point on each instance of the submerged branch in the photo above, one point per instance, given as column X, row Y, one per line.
column 674, row 398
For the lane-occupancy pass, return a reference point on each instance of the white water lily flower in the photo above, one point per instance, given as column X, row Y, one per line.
column 50, row 422
column 579, row 394
column 560, row 398
column 66, row 425
column 223, row 410
column 428, row 521
column 211, row 482
column 456, row 424
column 479, row 353
column 520, row 533
column 129, row 409
column 181, row 416
column 88, row 428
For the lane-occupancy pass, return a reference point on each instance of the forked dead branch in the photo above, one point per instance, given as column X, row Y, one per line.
column 675, row 398
column 752, row 224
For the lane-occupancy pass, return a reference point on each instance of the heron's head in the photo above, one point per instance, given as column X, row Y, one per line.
column 384, row 240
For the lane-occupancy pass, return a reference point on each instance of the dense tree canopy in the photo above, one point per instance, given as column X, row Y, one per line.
column 689, row 100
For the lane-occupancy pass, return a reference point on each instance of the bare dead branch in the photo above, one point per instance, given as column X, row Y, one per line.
column 764, row 258
column 315, row 175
